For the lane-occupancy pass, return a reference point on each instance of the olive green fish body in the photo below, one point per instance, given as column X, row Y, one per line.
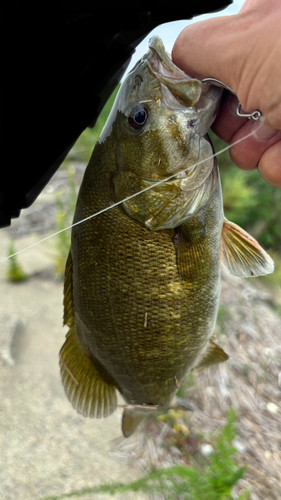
column 144, row 319
column 142, row 282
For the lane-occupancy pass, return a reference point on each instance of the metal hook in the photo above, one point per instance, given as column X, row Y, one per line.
column 256, row 115
column 206, row 80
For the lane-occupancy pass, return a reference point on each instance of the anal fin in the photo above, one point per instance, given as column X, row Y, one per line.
column 85, row 387
column 214, row 354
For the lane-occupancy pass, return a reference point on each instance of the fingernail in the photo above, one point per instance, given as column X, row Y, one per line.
column 262, row 132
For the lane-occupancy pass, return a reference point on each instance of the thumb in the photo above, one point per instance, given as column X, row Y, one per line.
column 243, row 51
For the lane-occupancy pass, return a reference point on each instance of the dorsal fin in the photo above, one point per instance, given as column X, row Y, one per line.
column 68, row 316
column 242, row 254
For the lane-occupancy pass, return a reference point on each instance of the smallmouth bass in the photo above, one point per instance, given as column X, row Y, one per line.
column 142, row 281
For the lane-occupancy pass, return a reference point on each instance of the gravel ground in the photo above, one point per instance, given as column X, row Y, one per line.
column 46, row 448
column 249, row 330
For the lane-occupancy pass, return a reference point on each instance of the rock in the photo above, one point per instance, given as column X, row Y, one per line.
column 272, row 407
column 11, row 327
column 206, row 449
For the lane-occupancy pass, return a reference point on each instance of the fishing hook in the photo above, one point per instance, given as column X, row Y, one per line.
column 256, row 115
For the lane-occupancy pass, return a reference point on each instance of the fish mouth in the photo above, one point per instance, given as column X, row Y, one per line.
column 188, row 91
column 185, row 89
column 161, row 61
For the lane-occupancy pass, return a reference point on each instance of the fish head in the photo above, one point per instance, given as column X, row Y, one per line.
column 158, row 114
column 158, row 127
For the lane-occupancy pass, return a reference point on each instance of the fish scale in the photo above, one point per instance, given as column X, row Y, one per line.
column 126, row 283
column 142, row 284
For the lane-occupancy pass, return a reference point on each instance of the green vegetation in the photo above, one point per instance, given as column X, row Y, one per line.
column 15, row 271
column 223, row 315
column 186, row 384
column 254, row 205
column 211, row 478
column 274, row 279
column 249, row 201
column 84, row 146
column 65, row 202
column 66, row 199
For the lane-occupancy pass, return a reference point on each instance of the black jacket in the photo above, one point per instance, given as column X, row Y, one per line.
column 61, row 61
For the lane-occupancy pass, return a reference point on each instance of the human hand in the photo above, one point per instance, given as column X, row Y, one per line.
column 244, row 52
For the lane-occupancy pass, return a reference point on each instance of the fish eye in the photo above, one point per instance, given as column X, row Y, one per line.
column 138, row 117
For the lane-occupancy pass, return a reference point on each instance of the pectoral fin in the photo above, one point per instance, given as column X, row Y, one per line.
column 190, row 251
column 214, row 354
column 242, row 254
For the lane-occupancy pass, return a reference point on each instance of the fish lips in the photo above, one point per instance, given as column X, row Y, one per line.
column 188, row 92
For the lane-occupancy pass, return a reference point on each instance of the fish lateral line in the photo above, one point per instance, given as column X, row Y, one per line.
column 158, row 183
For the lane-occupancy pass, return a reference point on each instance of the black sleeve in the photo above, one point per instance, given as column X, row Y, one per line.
column 60, row 63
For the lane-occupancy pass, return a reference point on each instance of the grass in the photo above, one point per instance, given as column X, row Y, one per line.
column 15, row 272
column 211, row 478
column 66, row 199
column 84, row 146
column 65, row 202
column 274, row 279
column 185, row 385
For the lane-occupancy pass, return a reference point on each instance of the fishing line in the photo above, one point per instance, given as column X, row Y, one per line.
column 133, row 195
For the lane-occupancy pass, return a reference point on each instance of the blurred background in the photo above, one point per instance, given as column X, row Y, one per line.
column 46, row 448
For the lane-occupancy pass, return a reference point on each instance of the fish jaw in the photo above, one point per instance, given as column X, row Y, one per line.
column 188, row 91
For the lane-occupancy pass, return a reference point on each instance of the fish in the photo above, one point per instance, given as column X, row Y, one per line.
column 143, row 279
